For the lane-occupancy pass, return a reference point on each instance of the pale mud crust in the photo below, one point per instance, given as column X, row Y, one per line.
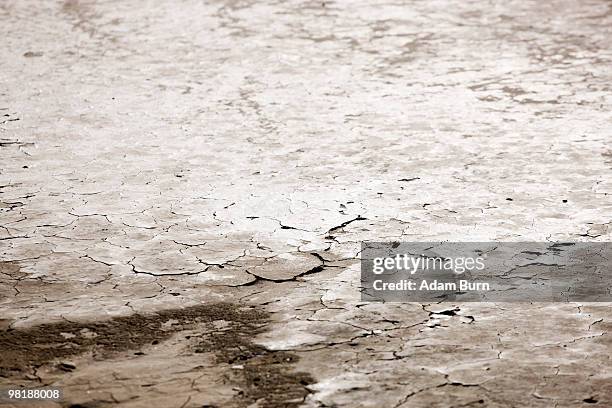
column 159, row 159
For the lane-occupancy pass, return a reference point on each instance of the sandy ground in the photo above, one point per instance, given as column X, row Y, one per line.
column 184, row 186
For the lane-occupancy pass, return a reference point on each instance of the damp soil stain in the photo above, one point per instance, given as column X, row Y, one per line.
column 265, row 377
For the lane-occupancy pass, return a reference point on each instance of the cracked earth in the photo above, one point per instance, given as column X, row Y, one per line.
column 184, row 187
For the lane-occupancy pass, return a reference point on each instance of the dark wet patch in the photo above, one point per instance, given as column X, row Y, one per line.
column 11, row 269
column 36, row 346
column 264, row 376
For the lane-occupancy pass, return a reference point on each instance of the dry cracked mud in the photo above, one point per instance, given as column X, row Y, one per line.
column 184, row 187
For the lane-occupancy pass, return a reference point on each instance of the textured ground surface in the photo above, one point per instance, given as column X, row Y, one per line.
column 155, row 156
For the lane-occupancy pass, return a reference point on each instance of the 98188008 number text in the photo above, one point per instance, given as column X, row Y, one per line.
column 24, row 394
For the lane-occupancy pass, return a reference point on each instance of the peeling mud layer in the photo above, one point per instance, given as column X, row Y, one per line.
column 184, row 187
